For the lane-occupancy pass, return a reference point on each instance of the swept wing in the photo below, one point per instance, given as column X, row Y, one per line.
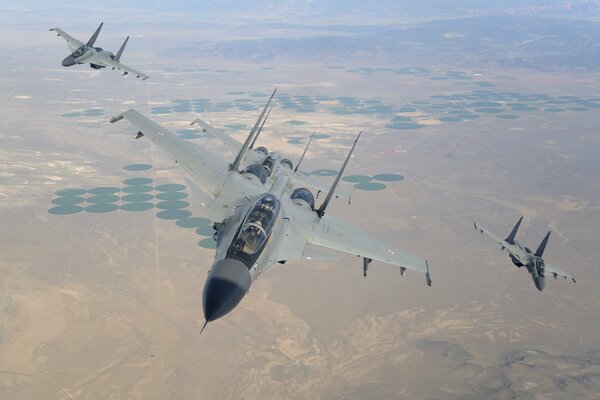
column 512, row 249
column 336, row 234
column 109, row 62
column 73, row 43
column 551, row 269
column 221, row 188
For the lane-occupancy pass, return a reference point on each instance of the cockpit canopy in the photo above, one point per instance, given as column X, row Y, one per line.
column 258, row 224
column 80, row 51
column 539, row 266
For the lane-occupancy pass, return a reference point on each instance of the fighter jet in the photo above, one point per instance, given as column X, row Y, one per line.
column 523, row 256
column 97, row 58
column 264, row 213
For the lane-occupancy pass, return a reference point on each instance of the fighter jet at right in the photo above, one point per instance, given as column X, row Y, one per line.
column 522, row 256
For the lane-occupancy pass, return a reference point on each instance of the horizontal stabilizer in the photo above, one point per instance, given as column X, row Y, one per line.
column 227, row 140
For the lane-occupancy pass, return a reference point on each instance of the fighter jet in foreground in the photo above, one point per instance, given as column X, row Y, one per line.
column 97, row 58
column 263, row 214
column 522, row 256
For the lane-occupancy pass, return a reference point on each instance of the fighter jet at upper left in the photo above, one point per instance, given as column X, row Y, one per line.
column 86, row 53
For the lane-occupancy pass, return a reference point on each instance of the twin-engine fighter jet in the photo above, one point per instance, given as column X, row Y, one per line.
column 523, row 256
column 82, row 53
column 264, row 214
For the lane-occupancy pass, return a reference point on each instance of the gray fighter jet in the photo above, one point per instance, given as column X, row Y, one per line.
column 523, row 256
column 84, row 53
column 263, row 211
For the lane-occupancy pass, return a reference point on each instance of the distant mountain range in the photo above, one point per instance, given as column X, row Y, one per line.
column 402, row 10
column 547, row 44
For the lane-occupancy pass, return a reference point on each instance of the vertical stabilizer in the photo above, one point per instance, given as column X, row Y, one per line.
column 304, row 152
column 92, row 40
column 321, row 210
column 120, row 52
column 250, row 138
column 540, row 250
column 511, row 238
column 260, row 129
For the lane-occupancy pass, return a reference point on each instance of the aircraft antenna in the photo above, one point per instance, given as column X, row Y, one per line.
column 238, row 158
column 321, row 210
column 305, row 149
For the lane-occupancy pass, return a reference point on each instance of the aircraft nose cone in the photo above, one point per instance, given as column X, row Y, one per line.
column 226, row 285
column 67, row 62
column 540, row 283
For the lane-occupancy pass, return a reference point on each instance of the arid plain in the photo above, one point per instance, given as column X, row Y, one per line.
column 107, row 303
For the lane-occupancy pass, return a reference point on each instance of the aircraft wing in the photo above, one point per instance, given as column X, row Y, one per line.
column 73, row 43
column 512, row 249
column 557, row 271
column 491, row 234
column 221, row 188
column 338, row 235
column 109, row 62
column 219, row 134
column 227, row 140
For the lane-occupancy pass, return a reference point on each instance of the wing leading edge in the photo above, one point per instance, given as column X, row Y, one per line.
column 514, row 250
column 73, row 43
column 555, row 271
column 220, row 188
column 108, row 62
column 338, row 235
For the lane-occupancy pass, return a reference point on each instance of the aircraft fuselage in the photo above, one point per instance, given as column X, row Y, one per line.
column 534, row 264
column 246, row 247
column 82, row 54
